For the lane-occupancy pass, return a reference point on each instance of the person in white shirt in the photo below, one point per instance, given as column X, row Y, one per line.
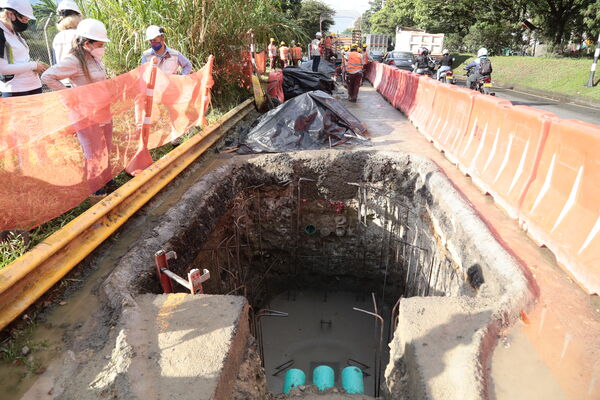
column 19, row 76
column 82, row 67
column 315, row 51
column 169, row 61
column 69, row 17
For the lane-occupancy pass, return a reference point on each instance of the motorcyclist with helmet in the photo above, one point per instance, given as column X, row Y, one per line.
column 445, row 63
column 479, row 68
column 424, row 64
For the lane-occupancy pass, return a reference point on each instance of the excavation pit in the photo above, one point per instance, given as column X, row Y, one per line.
column 309, row 237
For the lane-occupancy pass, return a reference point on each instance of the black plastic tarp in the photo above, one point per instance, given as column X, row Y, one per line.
column 325, row 67
column 312, row 120
column 297, row 81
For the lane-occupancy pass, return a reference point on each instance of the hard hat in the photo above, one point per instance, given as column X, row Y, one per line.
column 318, row 34
column 364, row 46
column 68, row 5
column 482, row 52
column 23, row 7
column 92, row 29
column 272, row 40
column 293, row 42
column 153, row 31
column 282, row 44
column 445, row 51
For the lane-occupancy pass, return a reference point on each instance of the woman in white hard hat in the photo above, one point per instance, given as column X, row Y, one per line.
column 19, row 76
column 69, row 17
column 82, row 67
column 169, row 61
column 315, row 49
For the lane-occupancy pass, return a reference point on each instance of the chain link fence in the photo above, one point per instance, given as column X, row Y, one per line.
column 39, row 38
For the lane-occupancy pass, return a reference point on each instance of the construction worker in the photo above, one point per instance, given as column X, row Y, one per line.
column 296, row 51
column 169, row 61
column 315, row 51
column 272, row 53
column 69, row 16
column 284, row 55
column 354, row 73
column 365, row 54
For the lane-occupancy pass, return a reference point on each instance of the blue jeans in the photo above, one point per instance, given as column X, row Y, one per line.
column 442, row 69
column 316, row 62
column 18, row 94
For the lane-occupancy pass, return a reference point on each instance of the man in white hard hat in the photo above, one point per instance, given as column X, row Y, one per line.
column 169, row 61
column 481, row 66
column 19, row 76
column 315, row 51
column 69, row 16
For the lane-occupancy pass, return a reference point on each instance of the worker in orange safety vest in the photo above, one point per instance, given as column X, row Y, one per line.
column 328, row 45
column 284, row 55
column 296, row 51
column 272, row 53
column 354, row 72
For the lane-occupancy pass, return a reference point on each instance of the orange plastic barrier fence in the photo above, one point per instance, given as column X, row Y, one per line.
column 58, row 148
column 261, row 62
column 451, row 112
column 562, row 206
column 508, row 160
column 378, row 75
column 424, row 97
column 275, row 85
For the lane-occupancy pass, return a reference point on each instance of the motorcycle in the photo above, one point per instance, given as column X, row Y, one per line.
column 482, row 85
column 447, row 77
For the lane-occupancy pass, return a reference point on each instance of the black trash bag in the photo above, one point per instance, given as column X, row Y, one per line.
column 325, row 67
column 297, row 81
column 313, row 120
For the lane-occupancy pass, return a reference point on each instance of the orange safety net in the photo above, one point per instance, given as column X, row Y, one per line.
column 58, row 148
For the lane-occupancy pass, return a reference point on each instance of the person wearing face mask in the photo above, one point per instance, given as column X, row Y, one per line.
column 69, row 16
column 84, row 66
column 169, row 61
column 19, row 76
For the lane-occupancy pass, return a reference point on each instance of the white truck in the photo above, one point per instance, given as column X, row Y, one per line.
column 377, row 41
column 410, row 39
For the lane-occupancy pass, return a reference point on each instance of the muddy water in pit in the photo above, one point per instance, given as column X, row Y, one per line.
column 62, row 325
column 322, row 329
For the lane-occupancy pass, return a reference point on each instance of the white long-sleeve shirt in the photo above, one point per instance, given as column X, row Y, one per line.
column 25, row 79
column 62, row 44
column 70, row 68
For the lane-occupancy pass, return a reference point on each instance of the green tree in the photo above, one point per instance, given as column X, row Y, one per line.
column 394, row 13
column 559, row 19
column 310, row 15
column 291, row 8
column 493, row 36
column 374, row 6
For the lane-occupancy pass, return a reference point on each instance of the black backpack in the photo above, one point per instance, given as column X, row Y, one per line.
column 485, row 66
column 3, row 78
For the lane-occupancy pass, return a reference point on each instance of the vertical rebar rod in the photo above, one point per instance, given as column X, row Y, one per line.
column 377, row 366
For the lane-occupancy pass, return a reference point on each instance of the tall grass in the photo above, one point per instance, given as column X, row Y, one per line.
column 197, row 28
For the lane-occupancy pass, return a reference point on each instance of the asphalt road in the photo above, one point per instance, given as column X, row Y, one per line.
column 563, row 110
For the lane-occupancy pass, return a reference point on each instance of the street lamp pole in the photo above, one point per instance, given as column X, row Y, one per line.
column 590, row 82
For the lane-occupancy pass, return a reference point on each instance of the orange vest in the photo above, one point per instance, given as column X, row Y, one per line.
column 284, row 52
column 354, row 63
column 296, row 53
column 327, row 43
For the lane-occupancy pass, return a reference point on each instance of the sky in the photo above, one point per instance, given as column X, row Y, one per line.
column 347, row 8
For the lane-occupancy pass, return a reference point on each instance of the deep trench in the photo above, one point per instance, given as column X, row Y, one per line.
column 370, row 241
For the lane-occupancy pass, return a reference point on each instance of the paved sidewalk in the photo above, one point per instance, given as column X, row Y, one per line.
column 556, row 351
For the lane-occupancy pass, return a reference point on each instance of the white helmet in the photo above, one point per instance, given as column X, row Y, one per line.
column 153, row 32
column 23, row 7
column 318, row 34
column 445, row 51
column 482, row 52
column 92, row 29
column 68, row 5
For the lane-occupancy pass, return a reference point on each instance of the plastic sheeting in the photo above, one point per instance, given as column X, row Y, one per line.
column 57, row 148
column 297, row 81
column 306, row 122
column 325, row 67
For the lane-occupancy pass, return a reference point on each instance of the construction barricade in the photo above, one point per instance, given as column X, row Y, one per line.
column 450, row 115
column 508, row 159
column 561, row 208
column 261, row 62
column 424, row 97
column 58, row 148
